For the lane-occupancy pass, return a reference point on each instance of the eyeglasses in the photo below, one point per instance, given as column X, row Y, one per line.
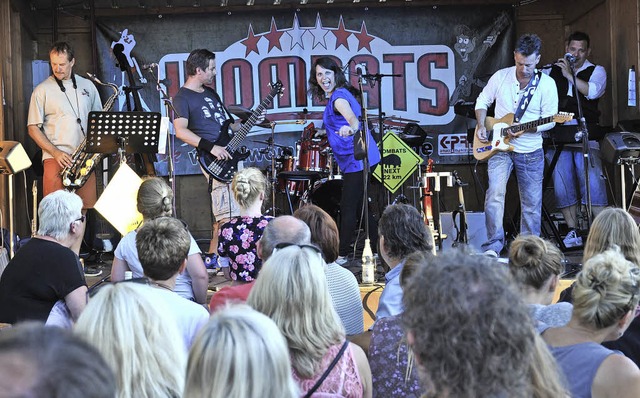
column 93, row 290
column 282, row 245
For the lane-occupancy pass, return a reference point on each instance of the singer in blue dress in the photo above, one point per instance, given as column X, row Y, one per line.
column 341, row 121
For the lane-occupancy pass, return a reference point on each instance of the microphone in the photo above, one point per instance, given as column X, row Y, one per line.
column 570, row 57
column 148, row 66
column 361, row 71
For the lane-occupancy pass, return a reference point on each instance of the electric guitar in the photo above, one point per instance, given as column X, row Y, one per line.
column 498, row 133
column 223, row 170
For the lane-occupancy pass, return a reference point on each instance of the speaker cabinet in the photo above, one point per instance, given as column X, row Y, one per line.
column 13, row 158
column 620, row 145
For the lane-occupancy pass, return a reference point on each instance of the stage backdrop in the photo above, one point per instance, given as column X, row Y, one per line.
column 439, row 56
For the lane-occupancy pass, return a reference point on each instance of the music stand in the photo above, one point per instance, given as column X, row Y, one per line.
column 123, row 132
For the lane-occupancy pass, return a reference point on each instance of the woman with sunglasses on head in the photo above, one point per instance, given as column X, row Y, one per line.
column 154, row 200
column 605, row 300
column 292, row 290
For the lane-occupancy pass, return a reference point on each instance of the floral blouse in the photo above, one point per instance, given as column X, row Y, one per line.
column 237, row 240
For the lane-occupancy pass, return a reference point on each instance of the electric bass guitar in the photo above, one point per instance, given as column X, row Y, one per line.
column 223, row 170
column 499, row 133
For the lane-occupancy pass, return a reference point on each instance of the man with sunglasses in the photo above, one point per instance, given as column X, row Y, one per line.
column 281, row 231
column 46, row 270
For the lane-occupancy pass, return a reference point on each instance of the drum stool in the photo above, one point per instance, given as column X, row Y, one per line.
column 287, row 176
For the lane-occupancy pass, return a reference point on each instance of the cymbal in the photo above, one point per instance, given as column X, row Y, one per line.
column 269, row 143
column 244, row 114
column 401, row 119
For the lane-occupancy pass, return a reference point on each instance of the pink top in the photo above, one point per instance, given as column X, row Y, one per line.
column 343, row 381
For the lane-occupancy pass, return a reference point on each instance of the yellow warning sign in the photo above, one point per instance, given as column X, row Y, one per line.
column 399, row 161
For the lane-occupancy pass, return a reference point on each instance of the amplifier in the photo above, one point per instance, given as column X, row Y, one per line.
column 620, row 145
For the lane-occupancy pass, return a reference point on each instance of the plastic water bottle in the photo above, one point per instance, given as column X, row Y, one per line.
column 368, row 264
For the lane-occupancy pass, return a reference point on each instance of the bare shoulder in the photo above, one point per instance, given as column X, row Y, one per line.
column 617, row 376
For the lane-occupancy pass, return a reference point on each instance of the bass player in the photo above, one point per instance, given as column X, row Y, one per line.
column 530, row 95
column 202, row 121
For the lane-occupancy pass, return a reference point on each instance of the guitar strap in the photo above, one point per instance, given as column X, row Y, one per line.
column 526, row 96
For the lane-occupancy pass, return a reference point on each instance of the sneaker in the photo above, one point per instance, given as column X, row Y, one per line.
column 490, row 253
column 572, row 239
column 210, row 260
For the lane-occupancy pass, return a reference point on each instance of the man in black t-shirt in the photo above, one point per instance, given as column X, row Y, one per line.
column 46, row 270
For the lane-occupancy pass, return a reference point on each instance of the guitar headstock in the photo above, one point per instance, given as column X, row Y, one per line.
column 562, row 117
column 277, row 88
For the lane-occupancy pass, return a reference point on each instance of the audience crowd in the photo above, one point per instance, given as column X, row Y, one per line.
column 291, row 324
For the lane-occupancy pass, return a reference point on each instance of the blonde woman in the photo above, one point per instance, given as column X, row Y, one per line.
column 292, row 291
column 154, row 200
column 237, row 238
column 605, row 302
column 613, row 226
column 240, row 353
column 536, row 265
column 140, row 343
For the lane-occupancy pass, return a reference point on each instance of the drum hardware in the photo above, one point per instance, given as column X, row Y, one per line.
column 245, row 113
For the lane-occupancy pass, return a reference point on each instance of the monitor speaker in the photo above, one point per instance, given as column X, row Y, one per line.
column 620, row 146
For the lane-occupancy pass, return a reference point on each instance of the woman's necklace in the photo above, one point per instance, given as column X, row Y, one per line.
column 162, row 286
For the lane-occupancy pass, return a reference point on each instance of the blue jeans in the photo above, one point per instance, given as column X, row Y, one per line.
column 569, row 172
column 529, row 169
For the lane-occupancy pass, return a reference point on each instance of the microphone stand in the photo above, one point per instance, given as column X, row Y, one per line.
column 168, row 103
column 365, row 168
column 377, row 77
column 583, row 134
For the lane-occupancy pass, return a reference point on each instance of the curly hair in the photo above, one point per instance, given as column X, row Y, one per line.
column 533, row 260
column 154, row 198
column 292, row 290
column 606, row 289
column 239, row 353
column 404, row 231
column 613, row 226
column 247, row 185
column 324, row 231
column 472, row 333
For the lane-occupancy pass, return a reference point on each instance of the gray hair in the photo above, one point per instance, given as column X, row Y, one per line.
column 56, row 212
column 283, row 229
column 239, row 353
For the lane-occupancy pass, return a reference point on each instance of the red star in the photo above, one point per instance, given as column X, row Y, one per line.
column 341, row 35
column 251, row 42
column 364, row 39
column 274, row 36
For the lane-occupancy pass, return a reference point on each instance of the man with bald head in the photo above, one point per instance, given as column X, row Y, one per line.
column 282, row 229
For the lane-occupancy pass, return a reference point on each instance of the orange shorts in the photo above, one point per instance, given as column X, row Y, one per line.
column 51, row 181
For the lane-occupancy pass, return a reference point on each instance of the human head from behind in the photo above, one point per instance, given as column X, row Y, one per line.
column 292, row 290
column 462, row 313
column 324, row 231
column 138, row 340
column 526, row 55
column 41, row 361
column 240, row 353
column 62, row 59
column 606, row 293
column 249, row 185
column 402, row 231
column 280, row 230
column 613, row 226
column 536, row 264
column 201, row 63
column 163, row 246
column 154, row 198
column 60, row 217
column 325, row 76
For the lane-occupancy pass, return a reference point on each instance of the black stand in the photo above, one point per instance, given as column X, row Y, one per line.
column 123, row 132
column 583, row 134
column 377, row 78
column 168, row 103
